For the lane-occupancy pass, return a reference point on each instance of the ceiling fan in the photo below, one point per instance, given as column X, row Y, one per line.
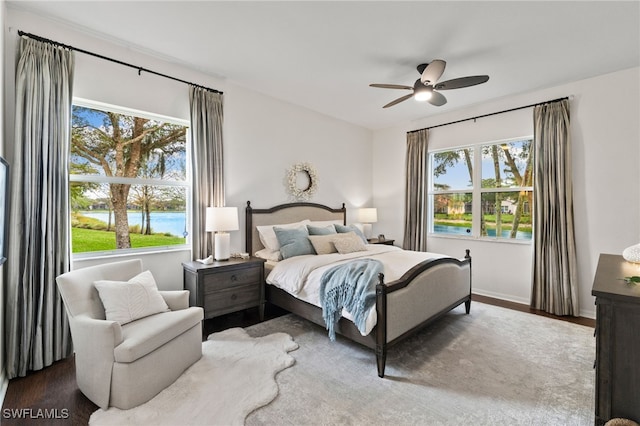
column 426, row 87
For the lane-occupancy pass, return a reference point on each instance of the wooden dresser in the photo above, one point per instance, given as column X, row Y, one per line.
column 617, row 340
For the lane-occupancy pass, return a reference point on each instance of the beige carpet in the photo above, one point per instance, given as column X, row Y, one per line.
column 234, row 377
column 492, row 367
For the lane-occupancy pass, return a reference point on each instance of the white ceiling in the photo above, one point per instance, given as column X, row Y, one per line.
column 322, row 55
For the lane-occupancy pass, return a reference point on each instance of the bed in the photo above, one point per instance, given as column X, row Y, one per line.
column 403, row 305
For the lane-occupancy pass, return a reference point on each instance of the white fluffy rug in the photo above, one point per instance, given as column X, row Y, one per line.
column 235, row 376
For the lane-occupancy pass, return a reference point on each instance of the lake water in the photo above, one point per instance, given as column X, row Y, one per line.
column 458, row 230
column 174, row 223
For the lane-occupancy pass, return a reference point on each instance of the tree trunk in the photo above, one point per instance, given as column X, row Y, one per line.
column 119, row 195
column 498, row 203
column 148, row 214
column 467, row 159
column 517, row 215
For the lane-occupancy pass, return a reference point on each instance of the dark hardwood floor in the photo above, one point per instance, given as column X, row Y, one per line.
column 525, row 308
column 51, row 396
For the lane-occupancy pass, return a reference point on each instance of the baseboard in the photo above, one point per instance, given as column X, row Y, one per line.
column 587, row 313
column 584, row 313
column 501, row 296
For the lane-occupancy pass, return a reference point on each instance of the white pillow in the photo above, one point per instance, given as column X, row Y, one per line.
column 349, row 242
column 128, row 301
column 268, row 235
column 272, row 255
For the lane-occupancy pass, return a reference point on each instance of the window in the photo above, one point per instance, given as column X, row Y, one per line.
column 483, row 190
column 129, row 183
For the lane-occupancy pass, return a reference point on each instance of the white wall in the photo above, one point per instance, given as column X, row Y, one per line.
column 263, row 137
column 606, row 153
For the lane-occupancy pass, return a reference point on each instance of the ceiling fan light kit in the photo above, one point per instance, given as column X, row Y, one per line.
column 421, row 92
column 426, row 87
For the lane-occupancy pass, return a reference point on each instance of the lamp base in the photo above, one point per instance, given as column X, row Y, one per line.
column 366, row 230
column 221, row 246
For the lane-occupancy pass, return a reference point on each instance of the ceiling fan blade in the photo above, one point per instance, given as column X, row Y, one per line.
column 433, row 71
column 458, row 83
column 391, row 86
column 437, row 99
column 397, row 101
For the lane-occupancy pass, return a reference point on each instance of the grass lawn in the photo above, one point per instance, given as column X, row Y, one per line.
column 84, row 240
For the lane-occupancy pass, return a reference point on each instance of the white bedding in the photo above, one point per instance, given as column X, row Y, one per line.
column 300, row 275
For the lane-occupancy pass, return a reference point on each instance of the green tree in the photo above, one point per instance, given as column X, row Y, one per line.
column 121, row 146
column 506, row 155
column 78, row 189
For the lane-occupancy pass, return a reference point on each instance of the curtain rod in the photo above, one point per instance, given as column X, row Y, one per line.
column 490, row 114
column 106, row 58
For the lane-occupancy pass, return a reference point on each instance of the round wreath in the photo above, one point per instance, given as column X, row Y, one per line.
column 292, row 181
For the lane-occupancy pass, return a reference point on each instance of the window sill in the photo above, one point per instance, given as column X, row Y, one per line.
column 128, row 252
column 481, row 239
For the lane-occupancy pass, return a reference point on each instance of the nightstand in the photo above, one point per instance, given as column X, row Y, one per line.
column 377, row 241
column 225, row 286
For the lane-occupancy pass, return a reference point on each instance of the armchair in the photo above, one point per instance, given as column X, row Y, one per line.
column 126, row 365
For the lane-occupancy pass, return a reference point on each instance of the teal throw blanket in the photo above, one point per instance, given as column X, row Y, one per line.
column 351, row 286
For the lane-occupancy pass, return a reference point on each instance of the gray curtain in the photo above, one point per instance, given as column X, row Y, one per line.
column 417, row 163
column 37, row 331
column 555, row 282
column 207, row 164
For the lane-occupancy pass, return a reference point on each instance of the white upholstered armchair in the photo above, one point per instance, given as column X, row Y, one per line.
column 126, row 365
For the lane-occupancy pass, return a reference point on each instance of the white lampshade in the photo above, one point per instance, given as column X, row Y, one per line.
column 220, row 220
column 368, row 215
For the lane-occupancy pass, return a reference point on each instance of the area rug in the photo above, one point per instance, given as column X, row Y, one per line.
column 235, row 375
column 493, row 367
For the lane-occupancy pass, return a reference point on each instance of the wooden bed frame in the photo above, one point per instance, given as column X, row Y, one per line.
column 423, row 294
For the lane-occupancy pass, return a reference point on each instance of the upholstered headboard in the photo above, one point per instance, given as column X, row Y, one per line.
column 286, row 213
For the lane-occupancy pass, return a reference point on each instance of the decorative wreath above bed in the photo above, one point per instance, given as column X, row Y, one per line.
column 296, row 192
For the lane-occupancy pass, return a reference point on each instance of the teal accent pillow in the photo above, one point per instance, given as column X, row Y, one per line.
column 321, row 230
column 350, row 228
column 293, row 241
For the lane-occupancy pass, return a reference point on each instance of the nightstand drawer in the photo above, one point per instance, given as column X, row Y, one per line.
column 233, row 278
column 231, row 299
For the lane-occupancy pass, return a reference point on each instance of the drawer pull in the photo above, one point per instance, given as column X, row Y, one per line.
column 234, row 278
column 234, row 296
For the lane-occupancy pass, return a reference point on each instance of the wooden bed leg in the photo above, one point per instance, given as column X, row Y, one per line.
column 467, row 304
column 381, row 326
column 381, row 359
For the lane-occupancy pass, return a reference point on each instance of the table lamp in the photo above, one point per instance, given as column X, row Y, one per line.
column 220, row 220
column 367, row 216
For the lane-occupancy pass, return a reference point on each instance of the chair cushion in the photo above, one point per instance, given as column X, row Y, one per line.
column 147, row 334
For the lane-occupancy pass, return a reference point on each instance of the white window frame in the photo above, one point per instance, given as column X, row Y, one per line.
column 187, row 183
column 476, row 193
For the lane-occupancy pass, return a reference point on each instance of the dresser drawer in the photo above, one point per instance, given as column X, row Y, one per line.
column 228, row 279
column 231, row 299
